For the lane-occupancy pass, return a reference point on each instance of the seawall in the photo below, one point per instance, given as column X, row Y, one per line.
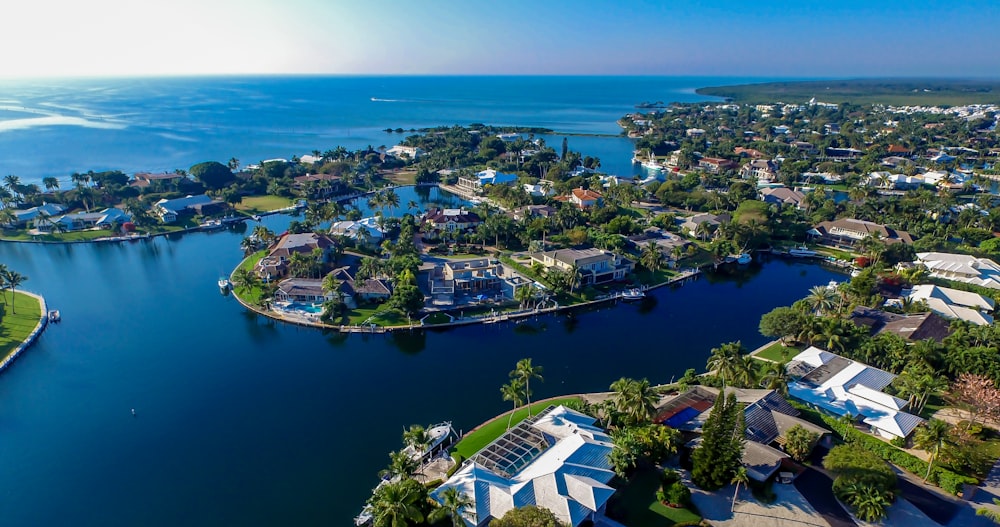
column 43, row 321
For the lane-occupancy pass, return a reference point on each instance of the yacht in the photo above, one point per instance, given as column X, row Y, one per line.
column 801, row 252
column 225, row 285
column 633, row 294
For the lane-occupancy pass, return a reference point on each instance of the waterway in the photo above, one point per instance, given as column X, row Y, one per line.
column 241, row 420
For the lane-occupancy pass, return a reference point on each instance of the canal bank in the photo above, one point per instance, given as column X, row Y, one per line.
column 40, row 326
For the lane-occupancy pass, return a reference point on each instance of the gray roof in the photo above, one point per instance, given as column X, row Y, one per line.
column 761, row 460
column 301, row 287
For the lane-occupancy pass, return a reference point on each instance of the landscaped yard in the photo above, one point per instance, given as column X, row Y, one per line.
column 267, row 203
column 475, row 441
column 635, row 504
column 253, row 295
column 74, row 236
column 778, row 352
column 15, row 327
column 379, row 315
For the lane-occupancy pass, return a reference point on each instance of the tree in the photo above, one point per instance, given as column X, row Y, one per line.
column 525, row 371
column 634, row 400
column 398, row 504
column 401, row 466
column 513, row 392
column 821, row 299
column 978, row 394
column 652, row 257
column 407, row 298
column 715, row 460
column 245, row 279
column 12, row 279
column 50, row 183
column 799, row 442
column 453, row 504
column 992, row 514
column 782, row 322
column 530, row 516
column 212, row 174
column 726, row 361
column 739, row 476
column 931, row 437
column 524, row 295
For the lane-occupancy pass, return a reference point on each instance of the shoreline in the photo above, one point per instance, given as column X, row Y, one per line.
column 43, row 322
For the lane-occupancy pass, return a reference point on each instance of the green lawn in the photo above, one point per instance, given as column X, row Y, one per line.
column 778, row 352
column 437, row 318
column 379, row 315
column 266, row 203
column 635, row 505
column 18, row 320
column 475, row 441
column 252, row 296
column 75, row 236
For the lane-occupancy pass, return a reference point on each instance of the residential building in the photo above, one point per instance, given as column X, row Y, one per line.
column 319, row 186
column 104, row 219
column 438, row 221
column 541, row 190
column 848, row 231
column 477, row 183
column 952, row 303
column 666, row 241
column 748, row 152
column 691, row 223
column 843, row 387
column 355, row 292
column 164, row 181
column 595, row 265
column 763, row 170
column 275, row 264
column 716, row 165
column 782, row 196
column 365, row 231
column 585, row 198
column 962, row 268
column 473, row 277
column 170, row 209
column 402, row 151
column 910, row 327
column 558, row 460
column 305, row 290
column 25, row 217
column 534, row 211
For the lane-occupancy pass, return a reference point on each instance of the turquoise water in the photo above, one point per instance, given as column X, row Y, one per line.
column 241, row 420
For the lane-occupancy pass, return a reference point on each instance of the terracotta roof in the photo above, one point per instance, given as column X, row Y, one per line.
column 585, row 194
column 898, row 149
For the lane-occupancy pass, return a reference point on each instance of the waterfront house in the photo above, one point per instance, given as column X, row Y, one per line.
column 753, row 153
column 473, row 277
column 534, row 211
column 542, row 189
column 962, row 268
column 954, row 304
column 355, row 292
column 910, row 327
column 782, row 196
column 848, row 231
column 666, row 241
column 690, row 224
column 767, row 417
column 25, row 217
column 477, row 183
column 318, row 186
column 843, row 154
column 364, row 232
column 843, row 387
column 716, row 165
column 170, row 209
column 558, row 460
column 438, row 221
column 595, row 265
column 304, row 290
column 764, row 171
column 406, row 152
column 105, row 219
column 275, row 264
column 160, row 182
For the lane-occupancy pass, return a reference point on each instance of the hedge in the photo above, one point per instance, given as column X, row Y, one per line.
column 944, row 478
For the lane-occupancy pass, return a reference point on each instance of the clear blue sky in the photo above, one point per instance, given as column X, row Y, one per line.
column 802, row 38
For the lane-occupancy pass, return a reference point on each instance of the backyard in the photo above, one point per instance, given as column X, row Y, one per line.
column 266, row 203
column 635, row 503
column 15, row 327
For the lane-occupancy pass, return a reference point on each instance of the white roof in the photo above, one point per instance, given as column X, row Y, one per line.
column 963, row 268
column 569, row 478
column 952, row 303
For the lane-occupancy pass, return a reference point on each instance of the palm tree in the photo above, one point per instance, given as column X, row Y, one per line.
column 401, row 466
column 12, row 279
column 398, row 504
column 453, row 503
column 739, row 476
column 524, row 295
column 416, row 436
column 833, row 334
column 726, row 361
column 573, row 277
column 245, row 279
column 513, row 392
column 652, row 257
column 390, row 199
column 869, row 502
column 636, row 400
column 330, row 283
column 930, row 438
column 991, row 514
column 775, row 377
column 821, row 298
column 50, row 183
column 525, row 371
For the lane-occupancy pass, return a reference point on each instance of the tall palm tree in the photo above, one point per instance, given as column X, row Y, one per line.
column 652, row 257
column 726, row 361
column 992, row 514
column 12, row 279
column 740, row 476
column 525, row 371
column 931, row 437
column 398, row 504
column 391, row 200
column 245, row 279
column 524, row 295
column 513, row 392
column 775, row 377
column 417, row 437
column 453, row 504
column 401, row 466
column 636, row 400
column 821, row 298
column 50, row 183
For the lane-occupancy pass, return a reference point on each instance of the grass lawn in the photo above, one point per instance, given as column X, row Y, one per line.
column 635, row 505
column 475, row 441
column 15, row 327
column 437, row 318
column 74, row 236
column 266, row 203
column 648, row 278
column 252, row 296
column 836, row 253
column 778, row 352
column 402, row 177
column 379, row 315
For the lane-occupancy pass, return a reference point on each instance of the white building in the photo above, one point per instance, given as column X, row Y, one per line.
column 952, row 303
column 962, row 268
column 364, row 231
column 402, row 151
column 557, row 460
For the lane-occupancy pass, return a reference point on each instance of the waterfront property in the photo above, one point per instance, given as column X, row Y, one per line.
column 439, row 221
column 306, row 290
column 596, row 266
column 25, row 217
column 20, row 317
column 690, row 224
column 478, row 276
column 716, row 165
column 849, row 231
column 962, row 268
column 953, row 303
column 275, row 264
column 910, row 327
column 557, row 459
column 105, row 219
column 364, row 232
column 782, row 196
column 169, row 210
column 319, row 186
column 476, row 184
column 764, row 171
column 844, row 387
column 358, row 292
column 582, row 198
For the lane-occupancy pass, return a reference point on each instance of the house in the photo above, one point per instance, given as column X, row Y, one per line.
column 898, row 150
column 962, row 268
column 843, row 387
column 402, row 151
column 305, row 290
column 145, row 180
column 558, row 460
column 275, row 264
column 716, row 165
column 763, row 170
column 690, row 224
column 780, row 129
column 666, row 241
column 952, row 303
column 585, row 198
column 694, row 132
column 534, row 211
column 910, row 327
column 748, row 152
column 438, row 221
column 477, row 183
column 365, row 231
column 782, row 196
column 848, row 231
column 843, row 154
column 541, row 190
column 105, row 219
column 170, row 209
column 470, row 277
column 595, row 265
column 767, row 417
column 24, row 217
column 318, row 186
column 354, row 292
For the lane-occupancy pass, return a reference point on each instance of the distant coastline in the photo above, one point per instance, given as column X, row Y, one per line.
column 899, row 92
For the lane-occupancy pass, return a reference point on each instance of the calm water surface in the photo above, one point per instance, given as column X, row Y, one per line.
column 245, row 421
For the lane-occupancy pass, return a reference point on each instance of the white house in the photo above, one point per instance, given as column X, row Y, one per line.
column 962, row 268
column 952, row 303
column 558, row 460
column 841, row 386
column 401, row 151
column 364, row 231
column 486, row 177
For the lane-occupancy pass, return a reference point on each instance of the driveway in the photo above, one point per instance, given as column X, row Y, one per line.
column 817, row 487
column 937, row 506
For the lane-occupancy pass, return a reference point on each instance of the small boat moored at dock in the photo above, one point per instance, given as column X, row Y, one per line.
column 54, row 315
column 225, row 285
column 633, row 294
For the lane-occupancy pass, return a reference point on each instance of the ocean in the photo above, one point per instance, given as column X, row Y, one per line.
column 57, row 127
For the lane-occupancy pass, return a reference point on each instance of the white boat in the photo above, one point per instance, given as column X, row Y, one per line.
column 225, row 285
column 801, row 252
column 54, row 316
column 633, row 294
column 211, row 225
column 652, row 165
column 437, row 435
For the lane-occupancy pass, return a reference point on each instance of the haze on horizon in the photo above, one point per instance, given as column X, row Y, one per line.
column 68, row 38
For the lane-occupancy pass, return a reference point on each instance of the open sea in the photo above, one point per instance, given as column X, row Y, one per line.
column 241, row 420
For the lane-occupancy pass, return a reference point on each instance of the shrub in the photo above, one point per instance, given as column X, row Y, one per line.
column 899, row 442
column 669, row 476
column 678, row 494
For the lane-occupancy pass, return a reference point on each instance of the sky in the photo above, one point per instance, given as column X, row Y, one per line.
column 803, row 38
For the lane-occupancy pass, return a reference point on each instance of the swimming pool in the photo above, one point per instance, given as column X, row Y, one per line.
column 307, row 308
